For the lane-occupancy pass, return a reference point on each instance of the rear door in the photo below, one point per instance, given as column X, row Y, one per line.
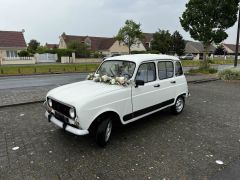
column 167, row 91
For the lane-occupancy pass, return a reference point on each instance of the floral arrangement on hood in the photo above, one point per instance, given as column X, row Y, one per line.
column 109, row 80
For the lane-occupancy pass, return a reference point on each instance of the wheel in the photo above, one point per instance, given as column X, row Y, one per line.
column 178, row 107
column 103, row 132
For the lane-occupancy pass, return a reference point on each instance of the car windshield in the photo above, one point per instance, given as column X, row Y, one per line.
column 117, row 68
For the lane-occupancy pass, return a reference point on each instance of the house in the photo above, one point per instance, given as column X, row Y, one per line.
column 196, row 48
column 147, row 40
column 11, row 42
column 230, row 49
column 51, row 46
column 105, row 45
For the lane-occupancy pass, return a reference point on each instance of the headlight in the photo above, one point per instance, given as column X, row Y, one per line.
column 72, row 113
column 50, row 102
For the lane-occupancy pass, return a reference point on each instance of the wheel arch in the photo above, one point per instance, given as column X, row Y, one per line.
column 109, row 113
column 184, row 95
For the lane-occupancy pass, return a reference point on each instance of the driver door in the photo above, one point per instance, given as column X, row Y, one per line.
column 144, row 97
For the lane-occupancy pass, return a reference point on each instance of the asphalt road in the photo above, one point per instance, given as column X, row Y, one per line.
column 12, row 82
column 161, row 146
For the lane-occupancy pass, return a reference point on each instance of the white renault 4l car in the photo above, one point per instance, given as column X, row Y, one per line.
column 123, row 89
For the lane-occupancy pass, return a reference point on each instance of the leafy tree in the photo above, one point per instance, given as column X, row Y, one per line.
column 81, row 49
column 42, row 50
column 61, row 52
column 161, row 41
column 23, row 53
column 178, row 43
column 32, row 46
column 130, row 34
column 219, row 50
column 207, row 21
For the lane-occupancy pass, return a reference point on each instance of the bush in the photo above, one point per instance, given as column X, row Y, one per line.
column 138, row 52
column 23, row 53
column 153, row 52
column 61, row 52
column 230, row 74
column 145, row 52
column 202, row 70
column 96, row 55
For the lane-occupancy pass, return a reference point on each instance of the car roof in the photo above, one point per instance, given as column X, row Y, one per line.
column 138, row 58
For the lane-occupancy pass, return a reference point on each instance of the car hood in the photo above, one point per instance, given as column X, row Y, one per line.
column 80, row 92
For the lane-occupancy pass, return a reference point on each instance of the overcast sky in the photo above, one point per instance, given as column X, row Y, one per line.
column 45, row 20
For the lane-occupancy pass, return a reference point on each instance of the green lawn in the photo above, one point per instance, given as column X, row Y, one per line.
column 197, row 63
column 46, row 69
column 65, row 68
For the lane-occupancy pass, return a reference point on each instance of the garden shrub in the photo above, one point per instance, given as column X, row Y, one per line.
column 230, row 74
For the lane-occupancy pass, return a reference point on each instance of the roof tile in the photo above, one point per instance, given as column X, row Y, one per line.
column 97, row 43
column 12, row 39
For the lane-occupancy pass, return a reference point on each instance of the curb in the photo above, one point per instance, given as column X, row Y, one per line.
column 203, row 80
column 24, row 103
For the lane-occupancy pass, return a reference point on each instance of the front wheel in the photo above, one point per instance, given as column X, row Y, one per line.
column 178, row 107
column 103, row 132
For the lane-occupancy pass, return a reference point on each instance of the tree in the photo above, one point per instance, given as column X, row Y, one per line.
column 207, row 21
column 130, row 34
column 219, row 50
column 32, row 46
column 161, row 41
column 79, row 48
column 178, row 43
column 42, row 49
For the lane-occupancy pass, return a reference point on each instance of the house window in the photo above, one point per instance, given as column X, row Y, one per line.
column 12, row 54
column 147, row 44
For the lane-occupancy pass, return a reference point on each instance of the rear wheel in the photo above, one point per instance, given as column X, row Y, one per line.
column 103, row 132
column 178, row 107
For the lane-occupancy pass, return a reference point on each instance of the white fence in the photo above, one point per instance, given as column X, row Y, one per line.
column 17, row 60
column 66, row 60
column 46, row 58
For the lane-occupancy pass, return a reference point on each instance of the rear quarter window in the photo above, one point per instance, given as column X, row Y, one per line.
column 178, row 69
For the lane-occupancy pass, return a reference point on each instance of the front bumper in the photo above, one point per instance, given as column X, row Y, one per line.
column 65, row 126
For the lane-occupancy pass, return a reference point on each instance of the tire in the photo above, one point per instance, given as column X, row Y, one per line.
column 178, row 107
column 103, row 132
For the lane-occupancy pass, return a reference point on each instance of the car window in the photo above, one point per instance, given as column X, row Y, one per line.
column 165, row 69
column 146, row 72
column 178, row 69
column 115, row 68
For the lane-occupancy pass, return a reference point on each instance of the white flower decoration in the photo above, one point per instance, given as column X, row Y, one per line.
column 121, row 80
column 105, row 78
column 113, row 81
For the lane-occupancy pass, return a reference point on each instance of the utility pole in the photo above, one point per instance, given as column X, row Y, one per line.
column 237, row 43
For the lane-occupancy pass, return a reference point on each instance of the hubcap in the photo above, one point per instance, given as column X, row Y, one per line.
column 108, row 131
column 179, row 105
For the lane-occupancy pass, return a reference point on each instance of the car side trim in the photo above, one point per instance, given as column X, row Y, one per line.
column 147, row 110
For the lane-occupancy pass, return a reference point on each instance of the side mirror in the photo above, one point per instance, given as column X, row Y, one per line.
column 139, row 83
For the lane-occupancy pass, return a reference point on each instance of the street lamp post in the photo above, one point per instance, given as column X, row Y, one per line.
column 237, row 43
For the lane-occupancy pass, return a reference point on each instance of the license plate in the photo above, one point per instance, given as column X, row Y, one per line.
column 61, row 117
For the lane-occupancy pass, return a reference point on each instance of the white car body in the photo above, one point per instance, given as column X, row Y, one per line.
column 91, row 99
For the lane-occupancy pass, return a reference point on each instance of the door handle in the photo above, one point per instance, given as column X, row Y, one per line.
column 173, row 82
column 156, row 85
